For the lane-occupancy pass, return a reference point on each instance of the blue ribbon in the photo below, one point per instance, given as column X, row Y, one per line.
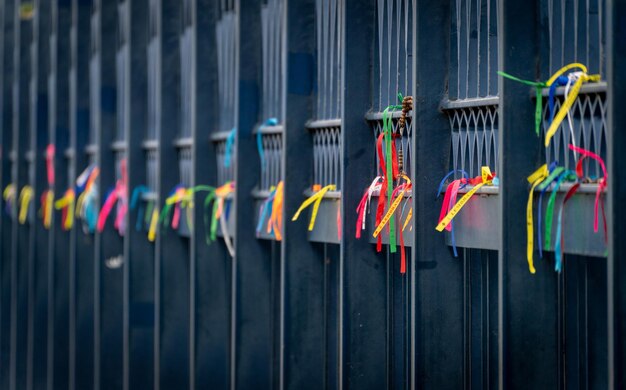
column 267, row 205
column 560, row 81
column 134, row 201
column 259, row 139
column 230, row 140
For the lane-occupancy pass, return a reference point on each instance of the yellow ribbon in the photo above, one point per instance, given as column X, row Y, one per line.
column 535, row 179
column 276, row 217
column 314, row 199
column 571, row 97
column 394, row 205
column 408, row 218
column 25, row 197
column 486, row 180
column 47, row 208
column 154, row 222
column 9, row 193
column 67, row 201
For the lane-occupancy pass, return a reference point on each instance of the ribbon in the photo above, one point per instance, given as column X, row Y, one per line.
column 66, row 203
column 535, row 179
column 218, row 198
column 566, row 175
column 47, row 203
column 259, row 139
column 9, row 197
column 314, row 199
column 362, row 208
column 450, row 199
column 154, row 223
column 138, row 192
column 50, row 151
column 276, row 217
column 602, row 185
column 558, row 250
column 396, row 197
column 230, row 140
column 391, row 168
column 486, row 178
column 555, row 173
column 117, row 195
column 25, row 197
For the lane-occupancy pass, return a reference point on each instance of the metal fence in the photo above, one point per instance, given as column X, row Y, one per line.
column 232, row 113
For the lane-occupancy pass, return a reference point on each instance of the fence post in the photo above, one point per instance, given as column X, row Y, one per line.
column 522, row 296
column 210, row 340
column 72, row 138
column 138, row 251
column 616, row 143
column 37, row 350
column 6, row 139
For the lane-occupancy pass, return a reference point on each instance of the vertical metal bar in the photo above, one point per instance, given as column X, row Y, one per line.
column 437, row 278
column 73, row 88
column 138, row 251
column 302, row 356
column 58, row 364
column 521, row 155
column 172, row 251
column 6, row 137
column 252, row 261
column 362, row 323
column 108, row 244
column 211, row 281
column 39, row 239
column 616, row 270
column 20, row 268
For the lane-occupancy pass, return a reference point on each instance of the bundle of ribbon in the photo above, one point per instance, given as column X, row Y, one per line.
column 221, row 210
column 87, row 203
column 546, row 175
column 391, row 165
column 450, row 207
column 272, row 206
column 47, row 196
column 143, row 218
column 119, row 195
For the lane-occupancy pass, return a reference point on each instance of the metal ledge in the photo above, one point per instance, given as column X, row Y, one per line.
column 326, row 229
column 150, row 144
column 322, row 124
column 260, row 194
column 182, row 143
column 69, row 153
column 278, row 129
column 587, row 88
column 219, row 136
column 118, row 146
column 29, row 156
column 447, row 105
column 373, row 116
column 91, row 149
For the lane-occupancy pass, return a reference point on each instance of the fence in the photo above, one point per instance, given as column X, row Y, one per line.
column 231, row 114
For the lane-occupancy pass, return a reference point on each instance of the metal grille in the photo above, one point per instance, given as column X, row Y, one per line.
column 226, row 29
column 589, row 127
column 273, row 151
column 153, row 71
column 327, row 155
column 186, row 68
column 122, row 57
column 474, row 138
column 472, row 105
column 152, row 171
column 394, row 39
column 328, row 24
column 575, row 33
column 474, row 49
column 224, row 174
column 272, row 27
column 402, row 139
column 184, row 161
column 94, row 75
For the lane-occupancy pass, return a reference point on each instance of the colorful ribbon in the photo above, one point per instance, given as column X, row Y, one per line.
column 535, row 179
column 315, row 200
column 486, row 178
column 136, row 203
column 230, row 141
column 119, row 195
column 9, row 198
column 449, row 200
column 66, row 203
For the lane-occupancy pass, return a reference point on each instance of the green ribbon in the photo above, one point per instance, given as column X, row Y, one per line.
column 567, row 175
column 209, row 235
column 539, row 86
column 387, row 131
